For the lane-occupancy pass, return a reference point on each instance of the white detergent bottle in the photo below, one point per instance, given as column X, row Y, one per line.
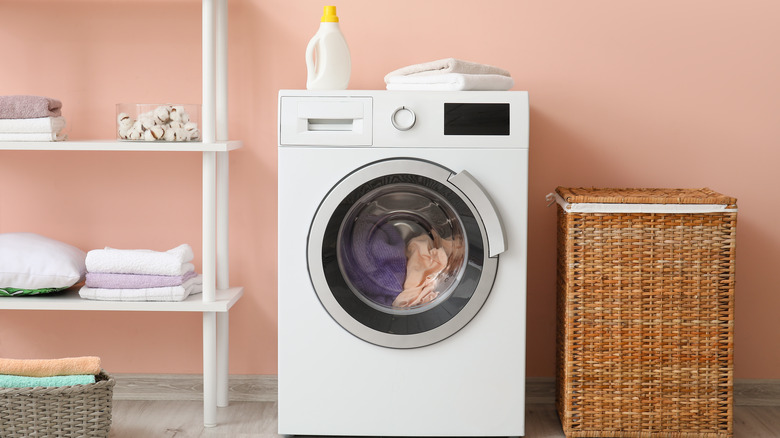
column 327, row 56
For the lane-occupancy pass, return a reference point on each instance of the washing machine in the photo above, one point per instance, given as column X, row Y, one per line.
column 402, row 263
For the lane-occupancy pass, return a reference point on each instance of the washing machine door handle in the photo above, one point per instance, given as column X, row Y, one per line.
column 494, row 226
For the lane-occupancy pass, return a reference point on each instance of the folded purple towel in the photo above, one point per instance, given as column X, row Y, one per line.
column 29, row 107
column 134, row 281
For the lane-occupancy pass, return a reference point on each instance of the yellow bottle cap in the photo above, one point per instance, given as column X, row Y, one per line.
column 329, row 15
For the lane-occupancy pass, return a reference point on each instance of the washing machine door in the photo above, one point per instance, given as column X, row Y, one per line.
column 403, row 253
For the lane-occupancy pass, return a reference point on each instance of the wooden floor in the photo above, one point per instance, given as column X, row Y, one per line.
column 254, row 419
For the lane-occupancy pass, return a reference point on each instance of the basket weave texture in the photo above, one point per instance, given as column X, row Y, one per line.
column 644, row 196
column 57, row 412
column 645, row 317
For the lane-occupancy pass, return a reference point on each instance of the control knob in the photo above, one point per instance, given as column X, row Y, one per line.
column 403, row 118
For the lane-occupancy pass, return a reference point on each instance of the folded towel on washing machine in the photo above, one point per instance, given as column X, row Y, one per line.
column 451, row 82
column 449, row 74
column 447, row 65
column 374, row 260
column 171, row 293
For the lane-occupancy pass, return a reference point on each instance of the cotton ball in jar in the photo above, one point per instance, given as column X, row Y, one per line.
column 162, row 115
column 193, row 135
column 123, row 118
column 191, row 130
column 181, row 134
column 154, row 133
column 147, row 120
column 176, row 113
column 135, row 133
column 169, row 134
column 126, row 123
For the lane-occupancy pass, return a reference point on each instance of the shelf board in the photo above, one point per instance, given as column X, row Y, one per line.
column 117, row 145
column 70, row 300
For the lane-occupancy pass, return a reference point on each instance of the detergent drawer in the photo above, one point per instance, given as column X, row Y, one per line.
column 325, row 121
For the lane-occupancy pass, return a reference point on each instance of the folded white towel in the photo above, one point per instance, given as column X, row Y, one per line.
column 451, row 82
column 40, row 125
column 171, row 293
column 32, row 136
column 448, row 65
column 140, row 261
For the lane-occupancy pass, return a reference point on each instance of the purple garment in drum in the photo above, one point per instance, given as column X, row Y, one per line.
column 374, row 261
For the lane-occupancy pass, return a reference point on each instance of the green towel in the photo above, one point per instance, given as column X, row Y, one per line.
column 9, row 381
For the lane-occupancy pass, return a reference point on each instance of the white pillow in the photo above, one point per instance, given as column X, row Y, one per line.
column 32, row 261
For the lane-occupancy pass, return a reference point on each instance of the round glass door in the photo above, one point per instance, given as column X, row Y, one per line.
column 401, row 248
column 397, row 254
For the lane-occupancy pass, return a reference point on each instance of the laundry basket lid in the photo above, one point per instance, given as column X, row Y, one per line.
column 583, row 199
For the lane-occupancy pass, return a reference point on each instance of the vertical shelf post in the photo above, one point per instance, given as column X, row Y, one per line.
column 223, row 193
column 209, row 216
column 209, row 369
column 209, row 158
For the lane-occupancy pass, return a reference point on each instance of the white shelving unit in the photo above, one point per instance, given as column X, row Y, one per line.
column 218, row 297
column 70, row 300
column 114, row 145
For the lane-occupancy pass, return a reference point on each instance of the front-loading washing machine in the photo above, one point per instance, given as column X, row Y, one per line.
column 402, row 263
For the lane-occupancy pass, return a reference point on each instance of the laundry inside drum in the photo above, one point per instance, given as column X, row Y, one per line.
column 402, row 248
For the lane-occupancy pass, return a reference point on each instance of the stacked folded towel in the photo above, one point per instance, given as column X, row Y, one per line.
column 449, row 75
column 22, row 373
column 31, row 118
column 141, row 275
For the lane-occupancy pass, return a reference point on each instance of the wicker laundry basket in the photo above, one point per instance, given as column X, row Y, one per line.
column 57, row 412
column 645, row 312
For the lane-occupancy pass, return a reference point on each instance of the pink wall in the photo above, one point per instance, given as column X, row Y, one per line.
column 675, row 94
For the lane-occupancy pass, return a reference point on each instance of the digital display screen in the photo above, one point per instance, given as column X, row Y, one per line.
column 476, row 119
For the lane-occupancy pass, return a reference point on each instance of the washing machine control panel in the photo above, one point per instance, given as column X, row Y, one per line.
column 398, row 119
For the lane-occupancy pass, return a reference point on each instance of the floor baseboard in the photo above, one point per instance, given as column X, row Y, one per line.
column 539, row 390
column 757, row 392
column 190, row 387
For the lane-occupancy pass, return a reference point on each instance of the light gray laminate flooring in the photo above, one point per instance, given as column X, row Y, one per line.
column 252, row 419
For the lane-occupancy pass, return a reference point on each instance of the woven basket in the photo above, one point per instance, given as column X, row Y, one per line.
column 63, row 411
column 645, row 312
